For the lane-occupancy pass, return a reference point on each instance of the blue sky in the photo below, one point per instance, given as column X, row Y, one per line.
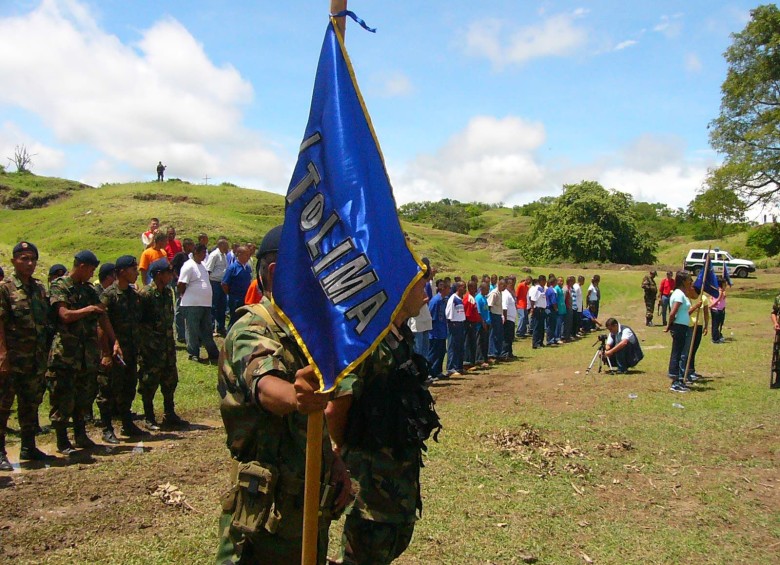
column 492, row 101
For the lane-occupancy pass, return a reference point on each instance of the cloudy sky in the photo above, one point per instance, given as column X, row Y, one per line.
column 491, row 101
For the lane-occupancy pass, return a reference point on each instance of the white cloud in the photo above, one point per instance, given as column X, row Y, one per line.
column 490, row 160
column 692, row 63
column 623, row 44
column 556, row 35
column 392, row 85
column 670, row 26
column 161, row 98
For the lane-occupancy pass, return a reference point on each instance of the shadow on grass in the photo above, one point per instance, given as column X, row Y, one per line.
column 756, row 294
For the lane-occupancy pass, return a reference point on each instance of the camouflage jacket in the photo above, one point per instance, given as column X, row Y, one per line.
column 388, row 480
column 649, row 286
column 99, row 289
column 24, row 312
column 261, row 344
column 158, row 347
column 776, row 306
column 75, row 345
column 124, row 311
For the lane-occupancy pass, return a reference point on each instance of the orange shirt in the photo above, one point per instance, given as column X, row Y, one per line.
column 253, row 294
column 149, row 256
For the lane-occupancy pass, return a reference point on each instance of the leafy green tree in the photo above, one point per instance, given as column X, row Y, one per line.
column 747, row 130
column 764, row 239
column 718, row 206
column 589, row 223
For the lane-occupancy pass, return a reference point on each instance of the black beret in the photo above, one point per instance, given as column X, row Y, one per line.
column 125, row 262
column 56, row 268
column 87, row 257
column 159, row 266
column 23, row 246
column 270, row 243
column 106, row 270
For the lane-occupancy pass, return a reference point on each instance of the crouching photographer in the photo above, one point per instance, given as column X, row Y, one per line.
column 622, row 346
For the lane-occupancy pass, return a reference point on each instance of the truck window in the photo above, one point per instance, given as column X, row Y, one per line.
column 697, row 255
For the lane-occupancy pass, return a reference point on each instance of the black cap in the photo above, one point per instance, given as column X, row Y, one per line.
column 87, row 257
column 106, row 270
column 270, row 243
column 57, row 268
column 24, row 246
column 159, row 266
column 427, row 270
column 125, row 262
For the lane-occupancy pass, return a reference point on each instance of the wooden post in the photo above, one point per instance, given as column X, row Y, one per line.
column 696, row 320
column 311, row 491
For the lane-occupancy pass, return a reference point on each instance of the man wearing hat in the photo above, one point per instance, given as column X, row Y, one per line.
column 158, row 348
column 124, row 311
column 267, row 389
column 23, row 350
column 56, row 271
column 75, row 352
column 106, row 277
column 650, row 290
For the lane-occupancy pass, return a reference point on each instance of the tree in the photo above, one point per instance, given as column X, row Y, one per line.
column 22, row 159
column 747, row 130
column 718, row 206
column 589, row 223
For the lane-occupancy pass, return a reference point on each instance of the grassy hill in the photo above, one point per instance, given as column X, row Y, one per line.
column 62, row 216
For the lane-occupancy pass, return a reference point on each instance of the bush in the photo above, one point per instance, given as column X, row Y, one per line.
column 764, row 240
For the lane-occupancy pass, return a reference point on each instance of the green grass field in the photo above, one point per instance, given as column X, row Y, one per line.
column 537, row 459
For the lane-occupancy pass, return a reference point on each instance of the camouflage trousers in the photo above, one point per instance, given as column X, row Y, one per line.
column 164, row 377
column 265, row 548
column 28, row 390
column 116, row 387
column 367, row 542
column 649, row 307
column 70, row 393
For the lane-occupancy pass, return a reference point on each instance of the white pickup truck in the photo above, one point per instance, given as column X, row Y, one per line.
column 694, row 262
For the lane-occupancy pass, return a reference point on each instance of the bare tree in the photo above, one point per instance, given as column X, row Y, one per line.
column 22, row 159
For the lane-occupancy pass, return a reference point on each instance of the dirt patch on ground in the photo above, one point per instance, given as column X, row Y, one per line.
column 18, row 199
column 175, row 198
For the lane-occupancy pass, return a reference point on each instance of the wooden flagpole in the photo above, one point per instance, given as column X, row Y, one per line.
column 311, row 492
column 696, row 320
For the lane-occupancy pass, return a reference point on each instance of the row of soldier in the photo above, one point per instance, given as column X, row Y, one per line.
column 84, row 342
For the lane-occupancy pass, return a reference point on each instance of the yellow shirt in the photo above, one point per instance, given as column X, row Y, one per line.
column 698, row 315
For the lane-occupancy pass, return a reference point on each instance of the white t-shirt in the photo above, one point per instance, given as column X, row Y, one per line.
column 422, row 322
column 577, row 291
column 622, row 333
column 196, row 277
column 537, row 296
column 593, row 293
column 454, row 310
column 216, row 264
column 510, row 305
column 495, row 302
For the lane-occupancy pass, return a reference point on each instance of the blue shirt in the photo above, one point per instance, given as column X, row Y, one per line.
column 551, row 297
column 482, row 306
column 438, row 308
column 238, row 277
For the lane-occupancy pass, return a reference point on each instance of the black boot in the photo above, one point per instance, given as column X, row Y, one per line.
column 29, row 451
column 149, row 418
column 130, row 429
column 63, row 443
column 170, row 418
column 108, row 428
column 80, row 436
column 5, row 464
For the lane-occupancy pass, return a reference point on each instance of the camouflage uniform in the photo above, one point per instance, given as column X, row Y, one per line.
column 261, row 344
column 158, row 348
column 381, row 520
column 118, row 384
column 651, row 292
column 74, row 355
column 24, row 314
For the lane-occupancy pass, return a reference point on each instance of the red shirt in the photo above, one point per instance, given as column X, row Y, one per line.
column 173, row 247
column 470, row 308
column 666, row 287
column 522, row 296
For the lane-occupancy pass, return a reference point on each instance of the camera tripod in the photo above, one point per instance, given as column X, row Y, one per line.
column 603, row 360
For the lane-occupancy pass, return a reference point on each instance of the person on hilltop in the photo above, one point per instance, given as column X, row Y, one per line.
column 650, row 290
column 23, row 350
column 267, row 390
column 160, row 171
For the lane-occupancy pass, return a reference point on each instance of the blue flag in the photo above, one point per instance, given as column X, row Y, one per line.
column 711, row 284
column 344, row 266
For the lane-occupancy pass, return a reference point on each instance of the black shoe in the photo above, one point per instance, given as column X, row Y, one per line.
column 80, row 437
column 193, row 358
column 109, row 437
column 5, row 464
column 34, row 454
column 129, row 429
column 172, row 420
column 151, row 424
